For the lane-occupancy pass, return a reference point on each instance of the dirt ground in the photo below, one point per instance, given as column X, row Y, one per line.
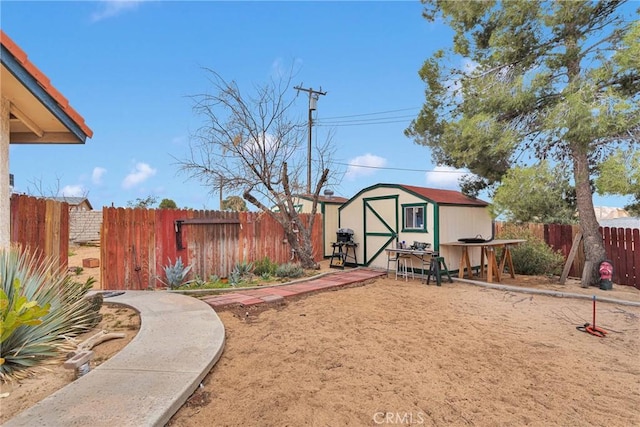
column 395, row 352
column 76, row 255
column 403, row 353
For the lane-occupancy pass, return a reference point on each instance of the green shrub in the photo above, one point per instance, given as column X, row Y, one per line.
column 214, row 282
column 289, row 270
column 28, row 346
column 534, row 257
column 265, row 266
column 215, row 285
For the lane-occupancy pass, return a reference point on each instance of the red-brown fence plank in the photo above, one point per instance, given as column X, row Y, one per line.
column 606, row 236
column 617, row 244
column 628, row 238
column 620, row 258
column 42, row 226
column 634, row 274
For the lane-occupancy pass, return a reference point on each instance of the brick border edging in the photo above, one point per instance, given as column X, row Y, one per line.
column 214, row 292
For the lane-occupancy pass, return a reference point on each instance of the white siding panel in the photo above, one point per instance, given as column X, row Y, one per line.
column 351, row 217
column 457, row 222
column 330, row 227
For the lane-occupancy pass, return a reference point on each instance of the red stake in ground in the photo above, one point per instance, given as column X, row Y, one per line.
column 591, row 328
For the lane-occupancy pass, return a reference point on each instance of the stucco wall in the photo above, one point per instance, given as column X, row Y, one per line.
column 330, row 226
column 5, row 193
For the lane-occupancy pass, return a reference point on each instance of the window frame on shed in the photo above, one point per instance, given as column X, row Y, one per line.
column 412, row 206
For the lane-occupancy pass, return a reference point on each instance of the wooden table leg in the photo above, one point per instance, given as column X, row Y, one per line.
column 465, row 263
column 506, row 259
column 492, row 266
column 495, row 266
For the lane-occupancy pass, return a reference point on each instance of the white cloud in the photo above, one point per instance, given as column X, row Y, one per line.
column 72, row 191
column 445, row 177
column 141, row 173
column 111, row 8
column 97, row 174
column 364, row 166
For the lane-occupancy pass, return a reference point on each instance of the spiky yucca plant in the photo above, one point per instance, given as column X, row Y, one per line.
column 30, row 346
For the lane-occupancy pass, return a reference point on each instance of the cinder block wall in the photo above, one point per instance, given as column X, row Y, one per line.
column 84, row 226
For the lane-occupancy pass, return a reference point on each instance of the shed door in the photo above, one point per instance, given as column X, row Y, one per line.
column 380, row 226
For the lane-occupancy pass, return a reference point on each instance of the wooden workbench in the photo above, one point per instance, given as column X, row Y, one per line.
column 487, row 249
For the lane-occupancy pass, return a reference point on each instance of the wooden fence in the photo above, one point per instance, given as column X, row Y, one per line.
column 136, row 244
column 622, row 246
column 42, row 225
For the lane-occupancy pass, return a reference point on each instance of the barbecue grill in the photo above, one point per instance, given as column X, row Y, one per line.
column 344, row 250
column 344, row 235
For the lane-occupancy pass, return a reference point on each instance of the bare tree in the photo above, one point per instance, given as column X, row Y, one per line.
column 37, row 188
column 249, row 144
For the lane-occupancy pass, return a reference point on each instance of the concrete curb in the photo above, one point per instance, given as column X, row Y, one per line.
column 546, row 292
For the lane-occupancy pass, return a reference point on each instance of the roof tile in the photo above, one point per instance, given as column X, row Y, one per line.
column 44, row 81
column 445, row 197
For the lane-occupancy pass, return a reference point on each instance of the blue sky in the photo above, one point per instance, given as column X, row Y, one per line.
column 129, row 68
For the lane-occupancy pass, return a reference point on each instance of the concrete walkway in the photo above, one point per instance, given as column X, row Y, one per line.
column 179, row 341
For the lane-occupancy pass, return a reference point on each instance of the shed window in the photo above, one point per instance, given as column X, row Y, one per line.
column 414, row 217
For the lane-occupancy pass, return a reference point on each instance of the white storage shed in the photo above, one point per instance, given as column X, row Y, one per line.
column 383, row 214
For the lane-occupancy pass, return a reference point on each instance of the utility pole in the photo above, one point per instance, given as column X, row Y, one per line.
column 313, row 99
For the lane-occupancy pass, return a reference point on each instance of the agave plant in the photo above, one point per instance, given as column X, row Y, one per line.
column 28, row 278
column 241, row 271
column 176, row 273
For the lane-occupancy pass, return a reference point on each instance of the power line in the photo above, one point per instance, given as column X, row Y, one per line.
column 371, row 120
column 361, row 124
column 400, row 169
column 371, row 114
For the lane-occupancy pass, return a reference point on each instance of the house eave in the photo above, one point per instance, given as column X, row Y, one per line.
column 53, row 123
